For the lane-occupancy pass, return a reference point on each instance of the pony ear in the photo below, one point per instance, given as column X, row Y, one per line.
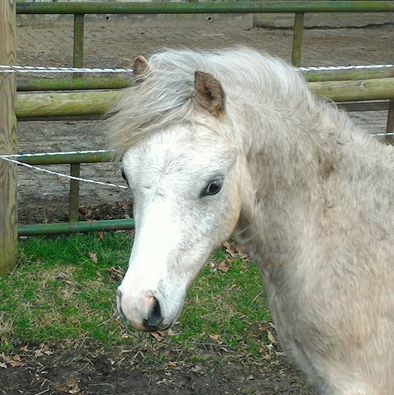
column 140, row 66
column 209, row 93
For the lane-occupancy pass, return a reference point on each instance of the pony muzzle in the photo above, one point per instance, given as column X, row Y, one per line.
column 146, row 314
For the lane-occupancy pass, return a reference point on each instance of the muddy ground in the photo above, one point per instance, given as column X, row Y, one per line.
column 45, row 370
column 43, row 198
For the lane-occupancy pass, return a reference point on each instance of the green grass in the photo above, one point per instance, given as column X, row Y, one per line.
column 63, row 293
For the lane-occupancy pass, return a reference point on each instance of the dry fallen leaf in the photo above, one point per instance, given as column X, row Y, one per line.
column 70, row 386
column 73, row 389
column 3, row 365
column 215, row 337
column 271, row 337
column 16, row 361
column 230, row 249
column 223, row 267
column 43, row 350
column 162, row 335
column 157, row 336
column 38, row 353
column 93, row 257
column 170, row 332
column 235, row 250
column 116, row 274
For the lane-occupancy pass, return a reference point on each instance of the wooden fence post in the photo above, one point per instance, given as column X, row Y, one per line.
column 298, row 32
column 75, row 169
column 8, row 199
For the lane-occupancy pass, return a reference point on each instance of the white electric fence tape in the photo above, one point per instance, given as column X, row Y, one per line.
column 107, row 184
column 43, row 69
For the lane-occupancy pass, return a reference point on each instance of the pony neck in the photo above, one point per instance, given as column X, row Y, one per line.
column 293, row 151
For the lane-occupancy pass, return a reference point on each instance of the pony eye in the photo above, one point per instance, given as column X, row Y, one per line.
column 213, row 188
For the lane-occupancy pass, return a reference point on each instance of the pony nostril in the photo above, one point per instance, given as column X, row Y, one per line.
column 154, row 317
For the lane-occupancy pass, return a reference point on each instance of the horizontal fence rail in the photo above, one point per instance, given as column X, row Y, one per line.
column 66, row 158
column 348, row 74
column 66, row 104
column 46, row 84
column 342, row 91
column 75, row 227
column 29, row 105
column 205, row 7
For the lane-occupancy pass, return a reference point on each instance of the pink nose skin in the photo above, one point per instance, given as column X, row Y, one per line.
column 151, row 305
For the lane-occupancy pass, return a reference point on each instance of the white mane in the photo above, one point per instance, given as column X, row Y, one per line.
column 165, row 95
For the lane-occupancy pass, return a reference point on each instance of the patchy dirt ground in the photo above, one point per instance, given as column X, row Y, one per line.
column 43, row 198
column 45, row 370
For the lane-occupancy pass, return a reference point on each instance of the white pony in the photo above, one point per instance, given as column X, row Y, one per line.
column 232, row 141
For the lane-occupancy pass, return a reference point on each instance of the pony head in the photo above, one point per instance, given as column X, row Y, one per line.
column 185, row 179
